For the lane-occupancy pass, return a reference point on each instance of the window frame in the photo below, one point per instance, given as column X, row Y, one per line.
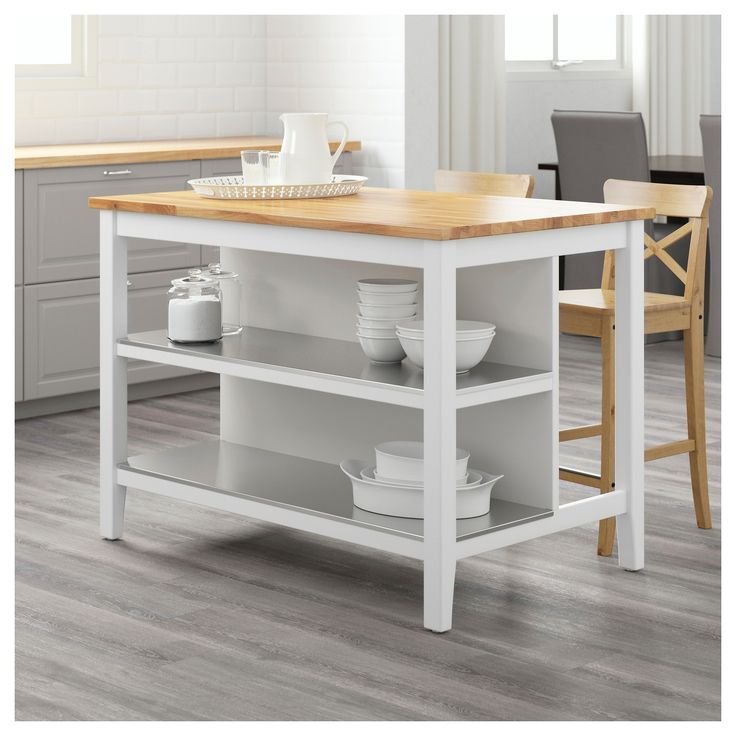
column 81, row 72
column 588, row 69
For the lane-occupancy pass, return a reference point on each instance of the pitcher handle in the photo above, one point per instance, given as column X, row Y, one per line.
column 344, row 140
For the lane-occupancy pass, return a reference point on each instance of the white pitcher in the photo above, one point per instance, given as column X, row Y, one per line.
column 305, row 151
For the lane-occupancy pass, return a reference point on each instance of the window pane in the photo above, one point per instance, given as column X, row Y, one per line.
column 43, row 39
column 586, row 37
column 528, row 37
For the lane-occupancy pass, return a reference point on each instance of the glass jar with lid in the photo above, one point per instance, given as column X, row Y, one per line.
column 230, row 287
column 195, row 309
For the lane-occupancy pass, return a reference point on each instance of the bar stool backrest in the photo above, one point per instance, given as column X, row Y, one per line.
column 475, row 182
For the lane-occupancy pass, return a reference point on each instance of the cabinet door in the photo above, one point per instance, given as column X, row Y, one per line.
column 62, row 328
column 62, row 234
column 18, row 227
column 19, row 343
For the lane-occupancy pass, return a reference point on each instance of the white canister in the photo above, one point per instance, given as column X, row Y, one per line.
column 195, row 309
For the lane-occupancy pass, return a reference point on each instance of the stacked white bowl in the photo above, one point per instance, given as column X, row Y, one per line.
column 472, row 342
column 381, row 304
column 394, row 486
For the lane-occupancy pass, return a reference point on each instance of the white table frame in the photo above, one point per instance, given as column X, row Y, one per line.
column 439, row 549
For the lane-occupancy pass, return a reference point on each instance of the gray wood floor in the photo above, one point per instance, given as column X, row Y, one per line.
column 198, row 615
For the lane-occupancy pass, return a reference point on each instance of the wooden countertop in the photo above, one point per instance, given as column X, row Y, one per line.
column 398, row 212
column 133, row 152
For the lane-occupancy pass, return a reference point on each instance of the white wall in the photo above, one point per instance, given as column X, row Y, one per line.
column 195, row 76
column 158, row 77
column 351, row 66
column 529, row 105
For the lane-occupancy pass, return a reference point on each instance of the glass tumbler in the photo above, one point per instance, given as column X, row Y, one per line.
column 254, row 173
column 271, row 165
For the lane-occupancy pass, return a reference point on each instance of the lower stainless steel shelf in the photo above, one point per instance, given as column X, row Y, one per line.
column 245, row 479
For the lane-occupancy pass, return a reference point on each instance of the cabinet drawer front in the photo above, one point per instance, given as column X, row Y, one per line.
column 62, row 235
column 19, row 343
column 18, row 227
column 62, row 328
column 222, row 167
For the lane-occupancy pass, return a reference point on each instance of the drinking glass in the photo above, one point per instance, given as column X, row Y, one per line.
column 253, row 172
column 271, row 165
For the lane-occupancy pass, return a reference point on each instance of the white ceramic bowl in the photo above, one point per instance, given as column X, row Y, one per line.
column 404, row 461
column 408, row 502
column 376, row 331
column 382, row 350
column 399, row 297
column 463, row 327
column 471, row 478
column 384, row 286
column 377, row 323
column 387, row 311
column 468, row 352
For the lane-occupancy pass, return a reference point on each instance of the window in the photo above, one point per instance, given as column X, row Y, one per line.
column 58, row 47
column 561, row 44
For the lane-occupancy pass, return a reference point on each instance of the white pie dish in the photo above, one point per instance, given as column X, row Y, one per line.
column 472, row 478
column 408, row 502
column 403, row 460
column 385, row 286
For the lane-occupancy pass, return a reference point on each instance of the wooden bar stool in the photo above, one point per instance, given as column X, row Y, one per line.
column 591, row 312
column 475, row 182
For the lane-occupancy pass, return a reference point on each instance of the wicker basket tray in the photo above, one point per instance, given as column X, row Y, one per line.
column 232, row 187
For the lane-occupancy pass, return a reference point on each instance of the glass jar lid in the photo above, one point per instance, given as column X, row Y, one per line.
column 216, row 271
column 195, row 283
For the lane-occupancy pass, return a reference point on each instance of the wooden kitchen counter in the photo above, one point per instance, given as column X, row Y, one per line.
column 131, row 152
column 395, row 212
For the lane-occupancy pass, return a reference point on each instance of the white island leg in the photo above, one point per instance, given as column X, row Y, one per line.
column 439, row 434
column 113, row 374
column 630, row 396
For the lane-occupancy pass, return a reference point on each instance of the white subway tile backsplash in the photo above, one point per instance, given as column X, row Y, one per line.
column 118, row 128
column 282, row 75
column 36, row 131
column 114, row 75
column 235, row 123
column 97, row 102
column 283, row 99
column 136, row 49
column 24, row 101
column 158, row 25
column 215, row 99
column 214, row 49
column 56, row 104
column 157, row 75
column 250, row 99
column 195, row 25
column 136, row 101
column 233, row 73
column 157, row 127
column 233, row 25
column 196, row 74
column 118, row 25
column 300, row 49
column 197, row 125
column 176, row 100
column 249, row 49
column 107, row 48
column 76, row 130
column 176, row 49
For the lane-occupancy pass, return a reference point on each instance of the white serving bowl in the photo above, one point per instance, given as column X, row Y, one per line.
column 408, row 502
column 384, row 286
column 463, row 328
column 377, row 323
column 468, row 352
column 399, row 297
column 382, row 350
column 376, row 331
column 404, row 461
column 387, row 311
column 472, row 478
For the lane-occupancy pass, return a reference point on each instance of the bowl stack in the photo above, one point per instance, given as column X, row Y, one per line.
column 472, row 342
column 394, row 486
column 381, row 304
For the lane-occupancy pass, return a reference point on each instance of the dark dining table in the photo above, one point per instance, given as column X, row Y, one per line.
column 663, row 170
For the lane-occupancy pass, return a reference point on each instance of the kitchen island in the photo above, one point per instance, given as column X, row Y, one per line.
column 297, row 396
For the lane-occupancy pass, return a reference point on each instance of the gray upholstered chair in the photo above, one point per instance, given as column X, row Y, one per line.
column 710, row 129
column 593, row 147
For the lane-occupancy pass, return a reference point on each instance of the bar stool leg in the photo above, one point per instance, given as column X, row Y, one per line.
column 695, row 393
column 607, row 527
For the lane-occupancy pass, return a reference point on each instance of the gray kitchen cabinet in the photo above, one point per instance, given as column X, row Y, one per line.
column 62, row 333
column 19, row 227
column 19, row 343
column 61, row 233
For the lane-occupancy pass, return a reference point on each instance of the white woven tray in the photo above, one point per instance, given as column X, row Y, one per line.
column 232, row 187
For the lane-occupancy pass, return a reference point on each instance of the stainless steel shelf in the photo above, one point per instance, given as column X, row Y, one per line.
column 274, row 480
column 333, row 366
